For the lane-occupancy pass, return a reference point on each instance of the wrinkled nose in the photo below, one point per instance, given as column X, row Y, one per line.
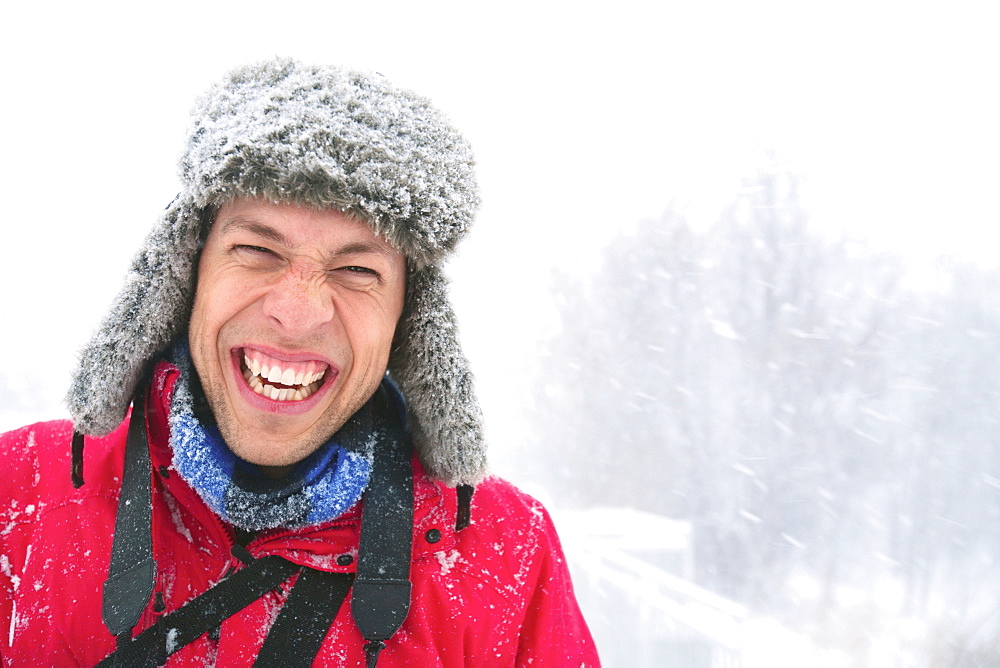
column 299, row 304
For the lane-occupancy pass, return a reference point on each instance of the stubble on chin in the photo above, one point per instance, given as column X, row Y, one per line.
column 264, row 443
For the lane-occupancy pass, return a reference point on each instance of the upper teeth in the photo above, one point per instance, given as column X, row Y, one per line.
column 261, row 370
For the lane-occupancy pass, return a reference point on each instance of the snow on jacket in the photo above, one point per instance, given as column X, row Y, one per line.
column 496, row 593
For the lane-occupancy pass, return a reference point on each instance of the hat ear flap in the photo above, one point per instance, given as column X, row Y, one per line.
column 150, row 311
column 428, row 365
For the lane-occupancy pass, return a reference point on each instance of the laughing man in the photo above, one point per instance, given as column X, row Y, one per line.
column 276, row 453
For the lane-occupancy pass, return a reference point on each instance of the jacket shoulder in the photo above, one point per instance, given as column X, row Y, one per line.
column 515, row 526
column 29, row 435
column 30, row 452
column 500, row 499
column 37, row 460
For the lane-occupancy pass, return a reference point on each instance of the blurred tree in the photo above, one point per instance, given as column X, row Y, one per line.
column 786, row 394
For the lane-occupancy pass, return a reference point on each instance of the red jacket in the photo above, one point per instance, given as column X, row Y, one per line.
column 497, row 593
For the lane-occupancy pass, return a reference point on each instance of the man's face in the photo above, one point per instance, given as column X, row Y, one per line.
column 293, row 318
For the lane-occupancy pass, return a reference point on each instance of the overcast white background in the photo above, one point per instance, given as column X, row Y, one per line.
column 585, row 118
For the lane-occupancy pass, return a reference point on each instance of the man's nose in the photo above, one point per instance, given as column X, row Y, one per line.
column 300, row 303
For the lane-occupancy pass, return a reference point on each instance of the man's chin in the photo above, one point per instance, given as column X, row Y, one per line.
column 270, row 452
column 281, row 439
column 264, row 440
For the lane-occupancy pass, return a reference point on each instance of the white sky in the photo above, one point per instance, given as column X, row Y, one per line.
column 585, row 118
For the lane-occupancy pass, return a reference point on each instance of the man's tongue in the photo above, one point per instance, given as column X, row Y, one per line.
column 281, row 380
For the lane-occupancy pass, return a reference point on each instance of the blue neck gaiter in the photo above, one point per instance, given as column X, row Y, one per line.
column 320, row 488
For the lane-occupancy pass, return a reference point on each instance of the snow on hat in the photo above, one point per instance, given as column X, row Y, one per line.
column 329, row 138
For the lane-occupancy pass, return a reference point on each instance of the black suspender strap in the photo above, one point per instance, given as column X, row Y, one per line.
column 132, row 573
column 305, row 618
column 202, row 614
column 381, row 598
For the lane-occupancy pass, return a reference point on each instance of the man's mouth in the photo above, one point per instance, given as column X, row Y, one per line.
column 281, row 380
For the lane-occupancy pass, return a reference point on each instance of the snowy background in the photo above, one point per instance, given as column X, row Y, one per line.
column 735, row 268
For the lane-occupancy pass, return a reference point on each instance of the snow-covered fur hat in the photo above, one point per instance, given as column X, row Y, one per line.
column 328, row 138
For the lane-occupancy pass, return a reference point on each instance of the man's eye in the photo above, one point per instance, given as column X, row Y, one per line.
column 252, row 249
column 360, row 270
column 256, row 257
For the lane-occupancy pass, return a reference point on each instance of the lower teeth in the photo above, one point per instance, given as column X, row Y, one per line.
column 262, row 387
column 257, row 384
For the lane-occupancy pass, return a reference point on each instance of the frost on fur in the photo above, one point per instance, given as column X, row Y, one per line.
column 433, row 374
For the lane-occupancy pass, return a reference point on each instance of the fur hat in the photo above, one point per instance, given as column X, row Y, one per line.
column 328, row 138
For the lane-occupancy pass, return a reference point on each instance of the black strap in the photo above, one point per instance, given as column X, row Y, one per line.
column 202, row 614
column 381, row 598
column 77, row 454
column 132, row 573
column 305, row 619
column 463, row 516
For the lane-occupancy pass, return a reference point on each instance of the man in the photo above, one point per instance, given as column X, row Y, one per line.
column 273, row 494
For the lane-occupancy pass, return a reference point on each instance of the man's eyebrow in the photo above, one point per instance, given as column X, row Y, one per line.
column 271, row 234
column 359, row 247
column 254, row 227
